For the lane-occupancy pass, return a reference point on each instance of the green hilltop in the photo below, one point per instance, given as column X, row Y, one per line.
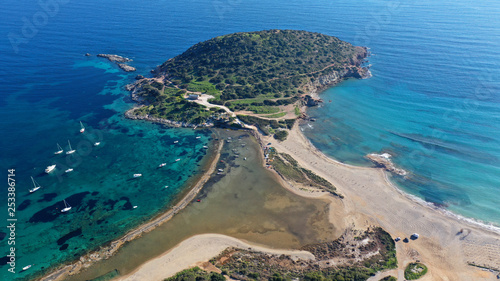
column 264, row 74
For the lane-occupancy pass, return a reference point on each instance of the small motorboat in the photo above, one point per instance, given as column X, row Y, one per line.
column 97, row 143
column 176, row 141
column 69, row 170
column 137, row 175
column 26, row 267
column 50, row 168
column 162, row 165
column 178, row 159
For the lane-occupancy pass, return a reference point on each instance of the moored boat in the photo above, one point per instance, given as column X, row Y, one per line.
column 70, row 151
column 66, row 208
column 59, row 150
column 162, row 165
column 50, row 168
column 137, row 175
column 69, row 170
column 36, row 186
column 82, row 127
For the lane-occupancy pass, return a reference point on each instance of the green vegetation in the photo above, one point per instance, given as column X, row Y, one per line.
column 290, row 169
column 196, row 274
column 281, row 135
column 361, row 260
column 415, row 270
column 254, row 71
column 277, row 115
column 267, row 126
column 389, row 278
column 297, row 111
column 249, row 64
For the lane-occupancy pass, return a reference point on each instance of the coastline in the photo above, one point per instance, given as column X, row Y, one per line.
column 106, row 251
column 371, row 198
column 447, row 244
column 203, row 247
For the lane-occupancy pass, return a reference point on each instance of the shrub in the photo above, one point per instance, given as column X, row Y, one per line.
column 281, row 135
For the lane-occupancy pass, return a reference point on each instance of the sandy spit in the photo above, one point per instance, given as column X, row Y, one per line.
column 197, row 249
column 107, row 251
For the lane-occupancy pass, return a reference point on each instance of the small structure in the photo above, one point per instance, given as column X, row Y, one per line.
column 193, row 97
column 414, row 236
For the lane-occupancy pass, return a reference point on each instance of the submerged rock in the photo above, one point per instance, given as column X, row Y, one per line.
column 126, row 68
column 384, row 160
column 114, row 58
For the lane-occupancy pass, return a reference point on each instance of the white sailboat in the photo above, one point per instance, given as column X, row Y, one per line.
column 36, row 186
column 59, row 150
column 67, row 207
column 70, row 151
column 83, row 128
column 50, row 168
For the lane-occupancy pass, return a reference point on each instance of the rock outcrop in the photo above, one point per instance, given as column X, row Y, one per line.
column 126, row 68
column 384, row 160
column 354, row 70
column 114, row 58
column 310, row 101
column 119, row 60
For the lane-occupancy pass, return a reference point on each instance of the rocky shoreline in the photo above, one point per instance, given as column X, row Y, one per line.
column 176, row 124
column 119, row 60
column 329, row 80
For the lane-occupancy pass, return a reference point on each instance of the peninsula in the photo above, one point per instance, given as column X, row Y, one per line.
column 264, row 81
column 262, row 78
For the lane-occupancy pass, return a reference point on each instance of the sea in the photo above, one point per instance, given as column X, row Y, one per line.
column 433, row 103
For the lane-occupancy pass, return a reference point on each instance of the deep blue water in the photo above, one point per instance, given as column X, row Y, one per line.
column 432, row 103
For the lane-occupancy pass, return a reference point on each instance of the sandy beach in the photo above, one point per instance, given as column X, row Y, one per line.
column 194, row 251
column 447, row 244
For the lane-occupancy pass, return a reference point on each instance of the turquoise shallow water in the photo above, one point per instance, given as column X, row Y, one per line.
column 432, row 103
